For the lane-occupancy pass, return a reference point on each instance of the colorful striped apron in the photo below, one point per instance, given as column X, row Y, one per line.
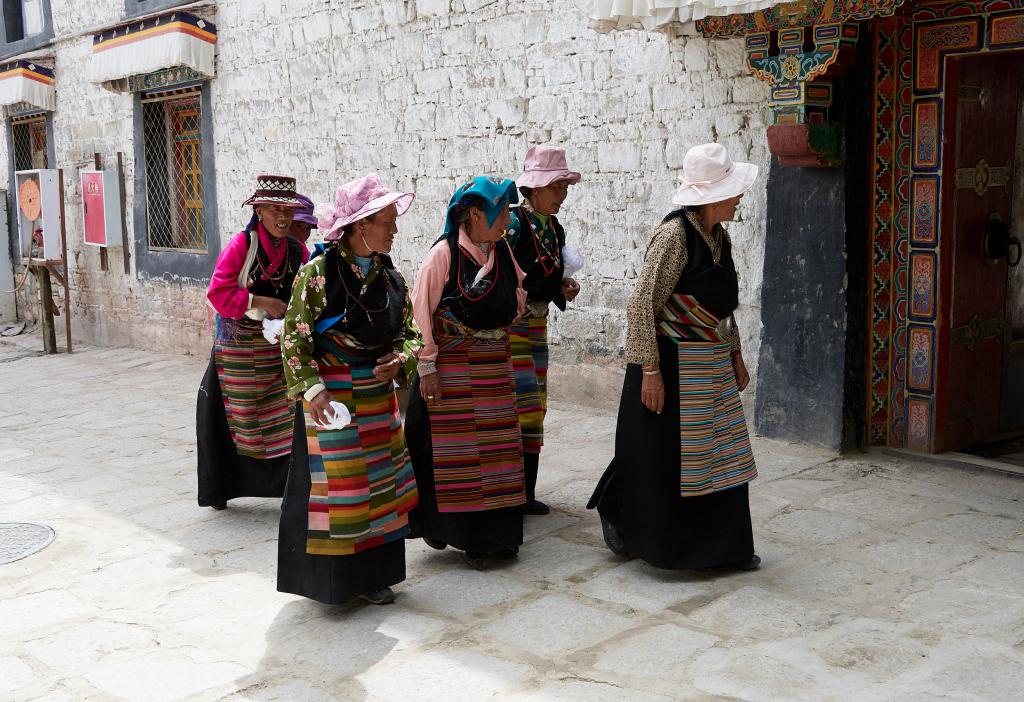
column 528, row 342
column 478, row 450
column 251, row 376
column 714, row 446
column 362, row 484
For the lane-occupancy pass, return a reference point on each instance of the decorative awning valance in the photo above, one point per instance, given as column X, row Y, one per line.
column 27, row 82
column 157, row 43
column 608, row 15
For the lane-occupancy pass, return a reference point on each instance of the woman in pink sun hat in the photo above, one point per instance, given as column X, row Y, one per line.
column 538, row 242
column 243, row 417
column 348, row 336
column 676, row 492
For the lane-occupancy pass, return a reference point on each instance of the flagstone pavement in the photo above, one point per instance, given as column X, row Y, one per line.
column 883, row 578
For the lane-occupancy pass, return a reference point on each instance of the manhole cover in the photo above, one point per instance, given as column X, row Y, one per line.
column 18, row 539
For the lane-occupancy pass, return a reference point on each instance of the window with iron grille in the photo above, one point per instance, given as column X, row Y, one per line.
column 28, row 139
column 172, row 135
column 27, row 25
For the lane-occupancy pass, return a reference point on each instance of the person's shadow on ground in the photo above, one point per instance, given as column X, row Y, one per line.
column 315, row 650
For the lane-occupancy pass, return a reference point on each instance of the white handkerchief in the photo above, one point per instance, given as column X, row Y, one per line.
column 573, row 261
column 272, row 329
column 341, row 417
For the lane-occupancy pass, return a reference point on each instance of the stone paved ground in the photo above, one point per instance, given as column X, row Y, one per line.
column 882, row 579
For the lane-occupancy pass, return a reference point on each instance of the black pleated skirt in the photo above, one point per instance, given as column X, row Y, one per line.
column 223, row 474
column 639, row 491
column 487, row 531
column 327, row 579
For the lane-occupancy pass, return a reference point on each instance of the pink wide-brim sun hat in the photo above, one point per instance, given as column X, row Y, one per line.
column 545, row 165
column 357, row 200
column 710, row 175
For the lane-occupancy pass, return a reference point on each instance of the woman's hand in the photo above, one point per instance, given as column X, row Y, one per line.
column 271, row 305
column 387, row 367
column 740, row 368
column 320, row 408
column 652, row 392
column 430, row 388
column 570, row 289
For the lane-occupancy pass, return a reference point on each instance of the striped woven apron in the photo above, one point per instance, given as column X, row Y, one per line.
column 714, row 445
column 528, row 342
column 478, row 450
column 251, row 376
column 362, row 483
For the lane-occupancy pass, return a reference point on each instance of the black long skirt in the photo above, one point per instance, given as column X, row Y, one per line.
column 327, row 579
column 223, row 474
column 639, row 491
column 487, row 531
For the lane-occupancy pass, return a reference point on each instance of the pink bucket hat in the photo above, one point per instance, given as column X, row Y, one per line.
column 544, row 165
column 357, row 200
column 710, row 175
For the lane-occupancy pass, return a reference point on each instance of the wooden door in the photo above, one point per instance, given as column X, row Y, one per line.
column 979, row 195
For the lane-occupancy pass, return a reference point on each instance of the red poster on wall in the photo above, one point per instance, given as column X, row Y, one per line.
column 92, row 202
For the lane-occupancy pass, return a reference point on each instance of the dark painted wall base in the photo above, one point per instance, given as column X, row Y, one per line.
column 803, row 308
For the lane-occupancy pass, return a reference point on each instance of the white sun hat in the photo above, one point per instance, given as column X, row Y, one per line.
column 709, row 175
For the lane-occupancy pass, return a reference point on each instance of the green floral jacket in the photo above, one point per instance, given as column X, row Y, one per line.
column 308, row 301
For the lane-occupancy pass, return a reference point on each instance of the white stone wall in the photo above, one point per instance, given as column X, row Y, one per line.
column 428, row 93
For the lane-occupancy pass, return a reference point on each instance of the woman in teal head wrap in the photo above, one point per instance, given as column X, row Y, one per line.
column 461, row 425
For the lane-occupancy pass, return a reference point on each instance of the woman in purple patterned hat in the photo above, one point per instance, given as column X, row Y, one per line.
column 243, row 415
column 303, row 220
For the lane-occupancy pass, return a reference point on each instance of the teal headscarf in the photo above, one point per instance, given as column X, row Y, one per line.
column 495, row 193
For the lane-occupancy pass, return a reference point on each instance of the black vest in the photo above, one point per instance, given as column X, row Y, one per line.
column 280, row 289
column 715, row 286
column 529, row 252
column 490, row 304
column 381, row 322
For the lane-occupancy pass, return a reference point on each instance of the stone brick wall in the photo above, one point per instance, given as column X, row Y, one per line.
column 428, row 93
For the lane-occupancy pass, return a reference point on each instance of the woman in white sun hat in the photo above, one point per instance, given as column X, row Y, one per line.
column 676, row 492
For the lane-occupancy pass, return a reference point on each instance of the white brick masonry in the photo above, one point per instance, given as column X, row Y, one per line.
column 428, row 93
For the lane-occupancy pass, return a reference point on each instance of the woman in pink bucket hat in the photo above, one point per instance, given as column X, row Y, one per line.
column 538, row 242
column 348, row 336
column 243, row 417
column 676, row 492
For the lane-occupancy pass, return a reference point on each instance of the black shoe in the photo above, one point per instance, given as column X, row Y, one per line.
column 613, row 538
column 379, row 597
column 536, row 508
column 752, row 563
column 435, row 544
column 219, row 506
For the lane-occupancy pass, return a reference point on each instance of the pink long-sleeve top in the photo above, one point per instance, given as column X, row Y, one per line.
column 224, row 294
column 431, row 279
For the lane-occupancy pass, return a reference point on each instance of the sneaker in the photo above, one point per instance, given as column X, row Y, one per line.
column 379, row 597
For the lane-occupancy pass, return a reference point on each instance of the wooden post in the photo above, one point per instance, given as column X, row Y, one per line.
column 64, row 260
column 45, row 309
column 124, row 215
column 97, row 161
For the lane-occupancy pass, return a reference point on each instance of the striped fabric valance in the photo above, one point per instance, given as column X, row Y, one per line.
column 154, row 44
column 27, row 82
column 608, row 15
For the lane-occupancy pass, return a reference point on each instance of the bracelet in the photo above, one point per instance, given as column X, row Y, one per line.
column 426, row 368
column 651, row 372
